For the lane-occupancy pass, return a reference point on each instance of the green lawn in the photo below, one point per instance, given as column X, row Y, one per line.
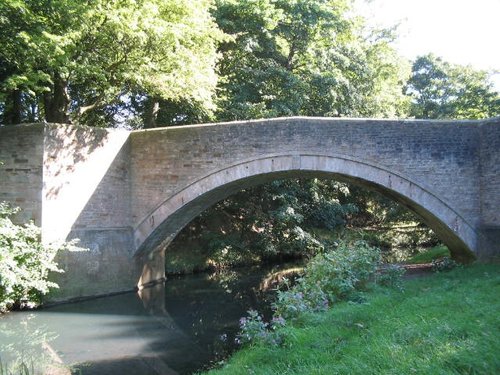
column 447, row 323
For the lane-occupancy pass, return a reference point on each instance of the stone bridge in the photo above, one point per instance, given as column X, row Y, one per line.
column 126, row 195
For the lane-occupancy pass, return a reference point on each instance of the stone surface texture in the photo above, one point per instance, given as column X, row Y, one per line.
column 126, row 195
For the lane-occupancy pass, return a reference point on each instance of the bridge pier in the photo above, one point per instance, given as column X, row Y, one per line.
column 153, row 268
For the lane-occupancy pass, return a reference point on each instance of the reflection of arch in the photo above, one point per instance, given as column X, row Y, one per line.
column 164, row 222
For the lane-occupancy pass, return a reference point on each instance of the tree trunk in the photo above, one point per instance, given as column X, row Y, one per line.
column 152, row 107
column 57, row 102
column 13, row 108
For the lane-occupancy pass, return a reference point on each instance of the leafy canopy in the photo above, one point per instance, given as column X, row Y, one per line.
column 441, row 90
column 70, row 58
column 304, row 57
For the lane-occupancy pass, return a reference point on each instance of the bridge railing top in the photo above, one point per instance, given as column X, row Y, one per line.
column 331, row 120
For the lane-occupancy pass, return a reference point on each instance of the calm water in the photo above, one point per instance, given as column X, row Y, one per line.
column 177, row 328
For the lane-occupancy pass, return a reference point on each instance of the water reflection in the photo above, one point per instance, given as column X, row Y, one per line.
column 175, row 328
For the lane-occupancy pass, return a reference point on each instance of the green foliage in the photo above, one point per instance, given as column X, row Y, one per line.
column 427, row 256
column 70, row 59
column 331, row 214
column 270, row 222
column 304, row 57
column 445, row 323
column 297, row 218
column 226, row 252
column 254, row 330
column 343, row 270
column 337, row 274
column 441, row 90
column 24, row 263
column 164, row 62
column 299, row 300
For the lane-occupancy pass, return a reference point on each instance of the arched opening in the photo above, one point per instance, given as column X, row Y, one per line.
column 159, row 228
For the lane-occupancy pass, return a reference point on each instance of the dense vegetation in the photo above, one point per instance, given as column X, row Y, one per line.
column 289, row 219
column 94, row 62
column 441, row 324
column 159, row 62
column 142, row 64
column 24, row 263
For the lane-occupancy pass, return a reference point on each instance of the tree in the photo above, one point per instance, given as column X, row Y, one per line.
column 304, row 57
column 81, row 61
column 442, row 90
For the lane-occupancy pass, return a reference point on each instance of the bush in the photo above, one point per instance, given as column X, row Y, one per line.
column 329, row 277
column 24, row 263
column 342, row 270
column 254, row 329
column 341, row 273
column 290, row 304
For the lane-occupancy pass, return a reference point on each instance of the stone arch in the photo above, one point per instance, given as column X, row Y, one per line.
column 161, row 225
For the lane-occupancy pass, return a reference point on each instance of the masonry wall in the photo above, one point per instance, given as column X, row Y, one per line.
column 21, row 173
column 85, row 179
column 86, row 197
column 100, row 185
column 490, row 189
column 441, row 156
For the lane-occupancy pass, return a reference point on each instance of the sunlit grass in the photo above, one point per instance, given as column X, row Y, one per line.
column 429, row 255
column 447, row 323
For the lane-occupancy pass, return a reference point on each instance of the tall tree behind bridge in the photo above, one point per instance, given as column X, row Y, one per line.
column 72, row 60
column 305, row 57
column 441, row 90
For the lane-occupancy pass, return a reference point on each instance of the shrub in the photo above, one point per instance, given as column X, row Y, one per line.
column 331, row 276
column 253, row 329
column 343, row 269
column 341, row 273
column 24, row 263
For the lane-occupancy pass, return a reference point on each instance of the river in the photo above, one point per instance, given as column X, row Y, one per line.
column 185, row 325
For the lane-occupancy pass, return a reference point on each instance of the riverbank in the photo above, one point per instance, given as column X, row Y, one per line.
column 190, row 254
column 447, row 323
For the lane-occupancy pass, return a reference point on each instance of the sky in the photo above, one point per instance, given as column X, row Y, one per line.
column 463, row 32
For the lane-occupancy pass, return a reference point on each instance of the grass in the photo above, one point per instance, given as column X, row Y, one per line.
column 437, row 252
column 447, row 323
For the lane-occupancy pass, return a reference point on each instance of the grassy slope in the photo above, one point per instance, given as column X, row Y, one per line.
column 446, row 323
